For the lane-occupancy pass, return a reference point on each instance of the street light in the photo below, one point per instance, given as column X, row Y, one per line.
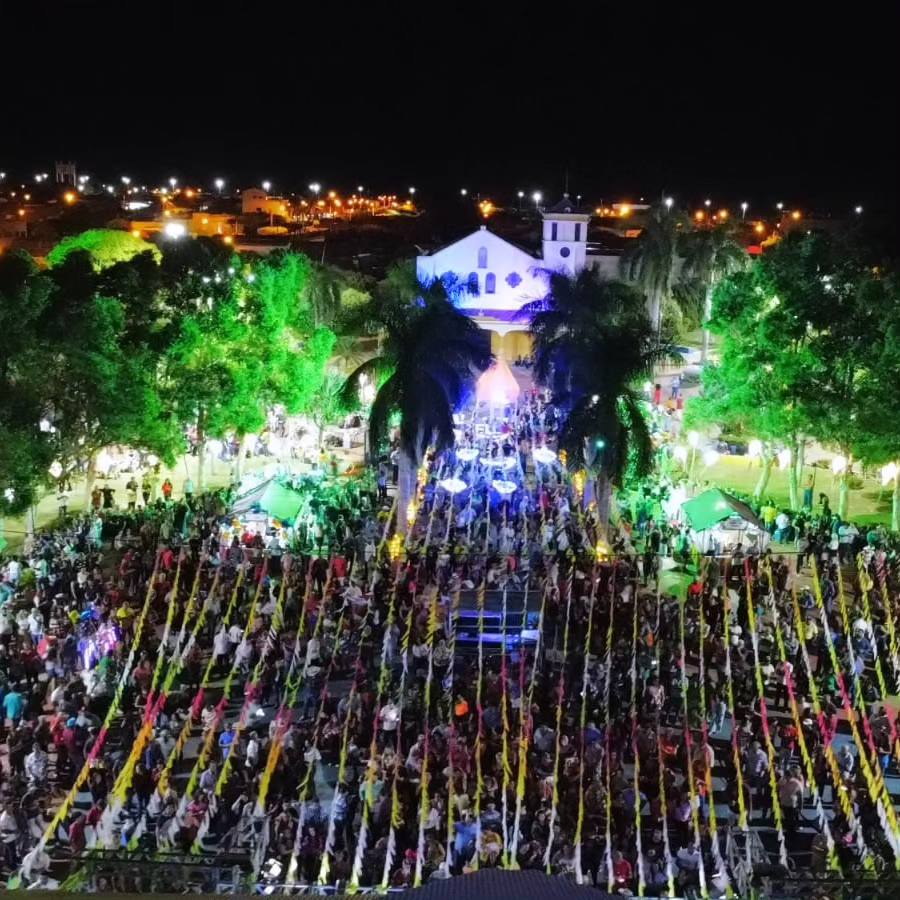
column 219, row 183
column 707, row 203
column 779, row 206
column 267, row 186
column 173, row 182
column 463, row 192
column 537, row 196
column 668, row 202
column 126, row 179
column 744, row 207
column 858, row 210
column 315, row 187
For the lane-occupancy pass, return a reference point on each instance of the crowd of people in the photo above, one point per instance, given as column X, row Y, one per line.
column 313, row 711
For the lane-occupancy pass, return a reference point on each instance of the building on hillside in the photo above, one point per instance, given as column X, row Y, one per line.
column 255, row 200
column 498, row 277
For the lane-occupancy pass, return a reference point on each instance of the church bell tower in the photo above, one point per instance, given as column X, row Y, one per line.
column 565, row 236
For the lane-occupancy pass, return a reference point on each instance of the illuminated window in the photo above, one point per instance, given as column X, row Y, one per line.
column 472, row 284
column 490, row 283
column 482, row 257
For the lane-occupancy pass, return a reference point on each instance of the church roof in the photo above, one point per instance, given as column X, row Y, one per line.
column 565, row 206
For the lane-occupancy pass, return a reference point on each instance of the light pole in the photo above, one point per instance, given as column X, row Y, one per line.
column 537, row 196
column 219, row 183
column 267, row 186
column 520, row 195
column 744, row 207
column 668, row 202
column 463, row 192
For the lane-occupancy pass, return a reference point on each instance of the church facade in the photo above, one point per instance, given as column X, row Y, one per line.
column 498, row 278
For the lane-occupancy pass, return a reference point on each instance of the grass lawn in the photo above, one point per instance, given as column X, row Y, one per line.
column 868, row 505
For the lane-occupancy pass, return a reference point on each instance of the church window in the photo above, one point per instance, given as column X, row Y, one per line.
column 472, row 284
column 490, row 283
column 553, row 231
column 514, row 279
column 482, row 257
column 578, row 231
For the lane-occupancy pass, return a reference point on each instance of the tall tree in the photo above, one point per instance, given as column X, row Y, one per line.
column 797, row 334
column 98, row 377
column 709, row 254
column 246, row 346
column 25, row 450
column 593, row 346
column 878, row 415
column 430, row 353
column 651, row 261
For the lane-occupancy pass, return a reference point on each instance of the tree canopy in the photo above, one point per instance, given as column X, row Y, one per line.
column 109, row 348
column 807, row 345
column 105, row 246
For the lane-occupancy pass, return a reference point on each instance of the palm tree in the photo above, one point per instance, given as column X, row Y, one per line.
column 651, row 260
column 430, row 354
column 710, row 254
column 593, row 344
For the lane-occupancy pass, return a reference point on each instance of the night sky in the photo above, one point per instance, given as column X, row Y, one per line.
column 759, row 108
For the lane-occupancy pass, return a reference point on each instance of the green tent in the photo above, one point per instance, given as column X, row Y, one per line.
column 714, row 506
column 271, row 497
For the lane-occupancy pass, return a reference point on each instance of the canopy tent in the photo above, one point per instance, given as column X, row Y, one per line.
column 497, row 386
column 272, row 497
column 718, row 521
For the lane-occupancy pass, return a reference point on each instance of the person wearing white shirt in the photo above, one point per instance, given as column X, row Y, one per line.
column 36, row 766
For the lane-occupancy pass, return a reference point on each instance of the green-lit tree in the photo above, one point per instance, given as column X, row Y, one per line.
column 878, row 415
column 594, row 346
column 25, row 451
column 329, row 291
column 651, row 261
column 797, row 331
column 105, row 246
column 248, row 344
column 99, row 382
column 430, row 352
column 709, row 254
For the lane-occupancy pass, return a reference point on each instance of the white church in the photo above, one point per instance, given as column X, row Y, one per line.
column 500, row 277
